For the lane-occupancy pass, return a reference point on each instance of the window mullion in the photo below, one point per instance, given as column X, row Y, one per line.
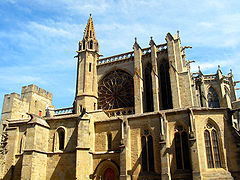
column 181, row 151
column 211, row 145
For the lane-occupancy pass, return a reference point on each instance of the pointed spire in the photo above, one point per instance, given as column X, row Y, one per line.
column 136, row 44
column 89, row 30
column 151, row 43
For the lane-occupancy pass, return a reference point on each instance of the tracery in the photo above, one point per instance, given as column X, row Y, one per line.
column 115, row 90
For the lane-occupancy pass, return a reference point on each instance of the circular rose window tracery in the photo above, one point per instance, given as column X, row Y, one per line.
column 115, row 90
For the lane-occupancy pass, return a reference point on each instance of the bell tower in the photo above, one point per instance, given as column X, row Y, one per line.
column 86, row 87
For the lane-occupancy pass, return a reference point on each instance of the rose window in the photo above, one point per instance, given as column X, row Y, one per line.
column 115, row 90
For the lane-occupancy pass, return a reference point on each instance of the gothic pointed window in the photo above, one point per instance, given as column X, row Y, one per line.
column 213, row 100
column 182, row 149
column 147, row 152
column 148, row 88
column 165, row 86
column 212, row 147
column 115, row 90
column 91, row 44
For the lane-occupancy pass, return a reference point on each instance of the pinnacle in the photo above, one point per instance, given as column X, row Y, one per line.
column 89, row 30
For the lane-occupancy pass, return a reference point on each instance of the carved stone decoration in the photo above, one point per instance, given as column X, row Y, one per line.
column 115, row 90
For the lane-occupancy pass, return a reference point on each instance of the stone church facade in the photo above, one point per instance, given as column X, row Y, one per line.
column 137, row 115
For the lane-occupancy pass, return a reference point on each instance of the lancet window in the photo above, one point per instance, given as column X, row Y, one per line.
column 148, row 88
column 91, row 44
column 147, row 152
column 213, row 100
column 182, row 149
column 212, row 147
column 165, row 86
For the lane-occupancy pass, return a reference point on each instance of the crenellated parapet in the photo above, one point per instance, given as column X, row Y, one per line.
column 35, row 89
column 33, row 100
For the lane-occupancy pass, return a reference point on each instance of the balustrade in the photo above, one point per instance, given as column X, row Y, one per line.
column 116, row 57
column 63, row 111
column 119, row 112
column 162, row 46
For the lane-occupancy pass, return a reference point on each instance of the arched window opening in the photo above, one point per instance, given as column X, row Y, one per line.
column 91, row 45
column 178, row 151
column 165, row 85
column 185, row 148
column 115, row 90
column 182, row 149
column 148, row 88
column 80, row 46
column 213, row 101
column 90, row 67
column 109, row 138
column 61, row 138
column 147, row 152
column 212, row 147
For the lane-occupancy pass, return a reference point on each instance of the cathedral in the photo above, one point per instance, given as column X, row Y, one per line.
column 138, row 115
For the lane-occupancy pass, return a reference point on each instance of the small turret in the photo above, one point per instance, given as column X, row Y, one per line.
column 86, row 87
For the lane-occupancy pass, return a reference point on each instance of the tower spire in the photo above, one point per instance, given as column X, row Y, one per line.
column 86, row 86
column 89, row 30
column 89, row 41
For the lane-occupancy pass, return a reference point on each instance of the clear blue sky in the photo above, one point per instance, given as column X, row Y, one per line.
column 38, row 38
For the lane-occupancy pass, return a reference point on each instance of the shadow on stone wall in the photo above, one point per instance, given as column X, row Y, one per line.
column 14, row 173
column 64, row 163
column 143, row 175
column 232, row 139
column 179, row 173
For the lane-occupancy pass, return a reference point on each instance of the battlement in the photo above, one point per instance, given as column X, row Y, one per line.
column 35, row 89
column 13, row 95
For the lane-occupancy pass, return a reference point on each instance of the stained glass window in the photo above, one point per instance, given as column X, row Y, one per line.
column 182, row 150
column 115, row 90
column 147, row 154
column 213, row 101
column 212, row 147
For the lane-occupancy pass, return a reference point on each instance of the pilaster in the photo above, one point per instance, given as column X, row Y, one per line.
column 35, row 153
column 125, row 156
column 155, row 80
column 164, row 149
column 195, row 165
column 138, row 78
column 173, row 71
column 83, row 157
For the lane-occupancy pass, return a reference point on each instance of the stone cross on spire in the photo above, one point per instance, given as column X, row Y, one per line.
column 89, row 30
